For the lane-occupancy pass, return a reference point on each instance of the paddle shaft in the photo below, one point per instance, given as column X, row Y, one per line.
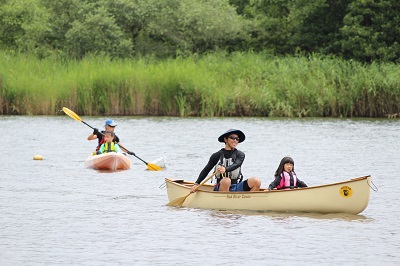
column 132, row 153
column 204, row 181
column 90, row 126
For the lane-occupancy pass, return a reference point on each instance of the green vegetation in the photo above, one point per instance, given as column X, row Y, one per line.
column 201, row 58
column 218, row 84
column 365, row 31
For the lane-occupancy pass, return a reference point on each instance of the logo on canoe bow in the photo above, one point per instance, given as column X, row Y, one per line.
column 346, row 191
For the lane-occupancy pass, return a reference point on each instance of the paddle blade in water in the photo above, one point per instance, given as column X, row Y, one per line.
column 153, row 167
column 181, row 200
column 178, row 202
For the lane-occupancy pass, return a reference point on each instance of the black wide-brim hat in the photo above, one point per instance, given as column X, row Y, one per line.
column 240, row 134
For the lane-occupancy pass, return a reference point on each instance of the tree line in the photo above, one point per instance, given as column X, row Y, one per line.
column 361, row 30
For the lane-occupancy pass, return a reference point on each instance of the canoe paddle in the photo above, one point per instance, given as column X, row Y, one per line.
column 179, row 201
column 72, row 114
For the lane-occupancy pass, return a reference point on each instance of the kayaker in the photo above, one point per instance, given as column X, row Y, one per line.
column 228, row 162
column 99, row 135
column 109, row 145
column 285, row 176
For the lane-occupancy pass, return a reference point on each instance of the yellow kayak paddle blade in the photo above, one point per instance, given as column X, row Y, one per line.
column 72, row 114
column 153, row 167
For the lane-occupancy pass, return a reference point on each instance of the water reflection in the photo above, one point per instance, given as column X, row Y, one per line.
column 237, row 214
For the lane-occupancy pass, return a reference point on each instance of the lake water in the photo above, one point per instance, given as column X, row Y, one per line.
column 56, row 212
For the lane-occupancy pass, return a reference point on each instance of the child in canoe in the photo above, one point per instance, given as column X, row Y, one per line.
column 285, row 177
column 109, row 145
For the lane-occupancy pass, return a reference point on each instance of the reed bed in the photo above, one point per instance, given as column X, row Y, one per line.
column 239, row 84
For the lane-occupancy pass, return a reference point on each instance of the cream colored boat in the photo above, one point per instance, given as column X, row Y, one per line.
column 108, row 161
column 350, row 196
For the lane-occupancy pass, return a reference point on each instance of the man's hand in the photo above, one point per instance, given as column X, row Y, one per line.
column 194, row 188
column 221, row 169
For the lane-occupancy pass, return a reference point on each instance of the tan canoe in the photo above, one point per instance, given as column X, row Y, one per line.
column 108, row 161
column 350, row 196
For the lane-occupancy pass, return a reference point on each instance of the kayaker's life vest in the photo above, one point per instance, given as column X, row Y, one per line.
column 103, row 140
column 109, row 147
column 288, row 180
column 235, row 175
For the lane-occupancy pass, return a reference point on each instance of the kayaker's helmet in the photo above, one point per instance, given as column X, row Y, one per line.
column 110, row 122
column 240, row 134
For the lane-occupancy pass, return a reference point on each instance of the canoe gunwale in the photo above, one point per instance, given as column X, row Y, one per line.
column 188, row 184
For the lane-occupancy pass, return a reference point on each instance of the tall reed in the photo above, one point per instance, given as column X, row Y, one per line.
column 219, row 84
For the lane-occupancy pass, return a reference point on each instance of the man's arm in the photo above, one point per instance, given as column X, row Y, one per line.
column 214, row 158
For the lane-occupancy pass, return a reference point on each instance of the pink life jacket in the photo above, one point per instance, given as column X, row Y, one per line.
column 285, row 180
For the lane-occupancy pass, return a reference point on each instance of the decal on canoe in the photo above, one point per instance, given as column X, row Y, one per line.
column 238, row 196
column 346, row 191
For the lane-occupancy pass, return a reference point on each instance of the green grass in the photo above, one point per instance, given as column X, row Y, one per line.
column 240, row 84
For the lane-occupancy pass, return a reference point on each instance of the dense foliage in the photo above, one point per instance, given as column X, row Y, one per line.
column 364, row 30
column 334, row 58
column 241, row 84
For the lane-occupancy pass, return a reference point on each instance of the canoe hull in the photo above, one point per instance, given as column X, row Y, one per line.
column 351, row 196
column 108, row 161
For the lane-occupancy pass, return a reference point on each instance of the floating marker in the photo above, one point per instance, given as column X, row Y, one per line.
column 38, row 157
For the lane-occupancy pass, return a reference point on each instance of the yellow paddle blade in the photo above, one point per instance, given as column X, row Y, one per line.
column 153, row 167
column 178, row 202
column 72, row 114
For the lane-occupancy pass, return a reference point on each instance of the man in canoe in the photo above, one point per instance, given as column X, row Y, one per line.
column 227, row 163
column 99, row 135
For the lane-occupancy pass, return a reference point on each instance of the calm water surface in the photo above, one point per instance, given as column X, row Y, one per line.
column 56, row 212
